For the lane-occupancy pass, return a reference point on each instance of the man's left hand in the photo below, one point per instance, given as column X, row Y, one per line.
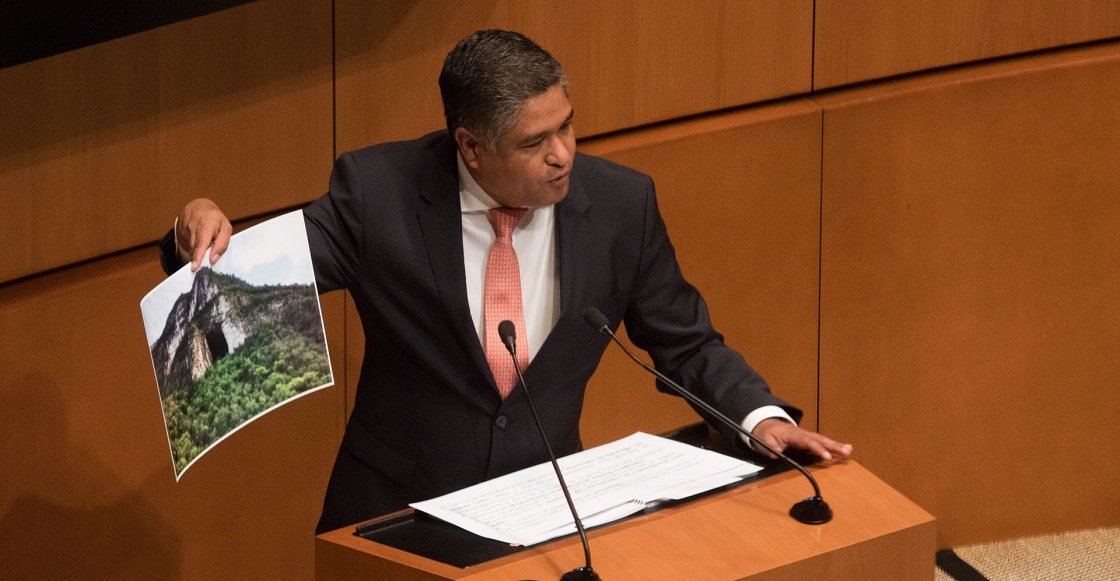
column 783, row 435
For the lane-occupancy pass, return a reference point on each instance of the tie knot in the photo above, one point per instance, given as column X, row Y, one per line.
column 504, row 220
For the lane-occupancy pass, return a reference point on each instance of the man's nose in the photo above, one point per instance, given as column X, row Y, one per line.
column 559, row 152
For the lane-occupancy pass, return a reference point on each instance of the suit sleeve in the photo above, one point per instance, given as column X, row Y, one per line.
column 169, row 259
column 333, row 231
column 668, row 318
column 334, row 227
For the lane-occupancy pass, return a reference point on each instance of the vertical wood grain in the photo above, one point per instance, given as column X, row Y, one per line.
column 629, row 63
column 89, row 490
column 859, row 40
column 102, row 146
column 969, row 284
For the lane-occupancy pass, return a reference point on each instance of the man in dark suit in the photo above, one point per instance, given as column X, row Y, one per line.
column 406, row 228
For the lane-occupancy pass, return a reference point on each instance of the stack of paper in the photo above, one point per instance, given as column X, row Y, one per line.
column 607, row 483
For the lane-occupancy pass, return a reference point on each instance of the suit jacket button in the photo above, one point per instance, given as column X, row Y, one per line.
column 501, row 421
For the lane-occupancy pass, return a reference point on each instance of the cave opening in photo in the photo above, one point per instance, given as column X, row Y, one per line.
column 216, row 342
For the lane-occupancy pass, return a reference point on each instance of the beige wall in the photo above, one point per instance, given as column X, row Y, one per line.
column 927, row 261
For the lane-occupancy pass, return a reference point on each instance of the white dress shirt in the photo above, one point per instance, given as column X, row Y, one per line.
column 535, row 244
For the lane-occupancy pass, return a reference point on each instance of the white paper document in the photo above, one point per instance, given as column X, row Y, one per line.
column 607, row 483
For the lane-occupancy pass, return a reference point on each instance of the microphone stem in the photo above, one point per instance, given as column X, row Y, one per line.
column 555, row 466
column 693, row 398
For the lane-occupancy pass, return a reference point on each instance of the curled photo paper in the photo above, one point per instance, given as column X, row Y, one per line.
column 235, row 340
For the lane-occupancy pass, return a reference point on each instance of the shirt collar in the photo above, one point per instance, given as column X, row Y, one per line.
column 472, row 198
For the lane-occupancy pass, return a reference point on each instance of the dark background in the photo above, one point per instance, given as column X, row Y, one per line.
column 34, row 29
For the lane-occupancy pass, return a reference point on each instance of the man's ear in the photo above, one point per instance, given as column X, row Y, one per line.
column 468, row 146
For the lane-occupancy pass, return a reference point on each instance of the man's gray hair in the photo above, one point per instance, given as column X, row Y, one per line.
column 487, row 79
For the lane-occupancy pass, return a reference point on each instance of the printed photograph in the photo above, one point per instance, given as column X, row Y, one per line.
column 237, row 339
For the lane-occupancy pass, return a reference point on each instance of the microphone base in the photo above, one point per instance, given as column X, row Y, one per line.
column 581, row 574
column 811, row 511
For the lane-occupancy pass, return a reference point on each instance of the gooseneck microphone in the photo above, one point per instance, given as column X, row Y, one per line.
column 508, row 335
column 813, row 510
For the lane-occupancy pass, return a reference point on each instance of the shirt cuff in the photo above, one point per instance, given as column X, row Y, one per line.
column 763, row 413
column 175, row 237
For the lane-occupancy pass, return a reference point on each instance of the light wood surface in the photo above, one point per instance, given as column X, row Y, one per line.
column 740, row 534
column 101, row 147
column 88, row 489
column 859, row 40
column 969, row 285
column 629, row 63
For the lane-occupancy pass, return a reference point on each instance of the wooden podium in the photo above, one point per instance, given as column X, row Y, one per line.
column 742, row 533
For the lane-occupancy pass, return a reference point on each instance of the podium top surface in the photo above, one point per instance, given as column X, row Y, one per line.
column 429, row 537
column 733, row 534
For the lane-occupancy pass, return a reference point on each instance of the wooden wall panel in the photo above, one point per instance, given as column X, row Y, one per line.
column 88, row 490
column 740, row 196
column 629, row 63
column 100, row 147
column 969, row 284
column 858, row 40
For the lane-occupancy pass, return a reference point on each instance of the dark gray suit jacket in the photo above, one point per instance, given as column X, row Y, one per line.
column 427, row 418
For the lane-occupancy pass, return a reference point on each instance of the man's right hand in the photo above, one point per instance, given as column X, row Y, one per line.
column 201, row 225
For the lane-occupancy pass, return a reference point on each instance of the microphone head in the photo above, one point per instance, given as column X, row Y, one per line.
column 508, row 334
column 596, row 319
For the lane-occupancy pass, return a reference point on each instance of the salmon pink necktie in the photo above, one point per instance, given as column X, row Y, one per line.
column 502, row 299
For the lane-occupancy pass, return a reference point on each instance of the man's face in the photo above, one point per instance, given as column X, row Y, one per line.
column 530, row 164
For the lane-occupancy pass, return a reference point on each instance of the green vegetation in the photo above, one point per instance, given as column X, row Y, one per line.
column 283, row 357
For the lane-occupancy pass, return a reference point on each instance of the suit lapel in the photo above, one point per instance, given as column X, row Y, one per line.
column 573, row 244
column 441, row 223
column 573, row 241
column 442, row 227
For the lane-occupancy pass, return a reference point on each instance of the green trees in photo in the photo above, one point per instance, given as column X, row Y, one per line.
column 283, row 357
